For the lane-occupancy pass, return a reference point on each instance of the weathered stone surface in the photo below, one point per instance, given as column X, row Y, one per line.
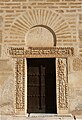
column 0, row 50
column 5, row 66
column 34, row 23
column 6, row 93
column 36, row 118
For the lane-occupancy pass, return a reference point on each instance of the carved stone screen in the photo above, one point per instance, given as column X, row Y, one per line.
column 41, row 85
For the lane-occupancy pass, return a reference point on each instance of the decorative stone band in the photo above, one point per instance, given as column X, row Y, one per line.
column 20, row 79
column 41, row 52
column 62, row 83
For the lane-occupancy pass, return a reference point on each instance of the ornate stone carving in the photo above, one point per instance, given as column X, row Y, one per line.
column 60, row 54
column 62, row 83
column 20, row 83
column 16, row 51
column 42, row 52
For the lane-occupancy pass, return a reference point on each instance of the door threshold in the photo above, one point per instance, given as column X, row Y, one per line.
column 48, row 115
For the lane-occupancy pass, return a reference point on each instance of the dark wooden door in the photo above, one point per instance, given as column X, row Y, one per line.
column 41, row 85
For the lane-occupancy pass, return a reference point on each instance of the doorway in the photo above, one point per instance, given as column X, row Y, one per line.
column 41, row 85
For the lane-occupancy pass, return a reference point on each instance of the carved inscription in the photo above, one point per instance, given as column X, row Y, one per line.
column 16, row 51
column 62, row 83
column 53, row 52
column 20, row 84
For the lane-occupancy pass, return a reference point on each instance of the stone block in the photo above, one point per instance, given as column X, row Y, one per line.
column 0, row 36
column 1, row 21
column 46, row 4
column 1, row 11
column 36, row 118
column 80, row 17
column 78, row 117
column 53, row 0
column 0, row 50
column 10, row 11
column 35, row 0
column 6, row 93
column 4, row 117
column 5, row 66
column 19, row 0
column 5, row 0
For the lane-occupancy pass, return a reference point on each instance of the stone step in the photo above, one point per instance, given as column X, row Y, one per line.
column 50, row 116
column 38, row 117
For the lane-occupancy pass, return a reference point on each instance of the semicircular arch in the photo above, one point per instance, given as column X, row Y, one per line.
column 48, row 19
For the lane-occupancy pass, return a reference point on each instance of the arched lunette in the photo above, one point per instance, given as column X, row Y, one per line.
column 48, row 28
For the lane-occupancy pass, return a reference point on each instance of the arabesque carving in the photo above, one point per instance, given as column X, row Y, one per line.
column 42, row 52
column 62, row 83
column 20, row 79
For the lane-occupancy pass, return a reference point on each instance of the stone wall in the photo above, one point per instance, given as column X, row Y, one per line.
column 18, row 28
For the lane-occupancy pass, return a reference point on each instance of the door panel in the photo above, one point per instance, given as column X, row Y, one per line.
column 41, row 85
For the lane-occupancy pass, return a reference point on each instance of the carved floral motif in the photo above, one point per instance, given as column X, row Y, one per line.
column 62, row 83
column 20, row 83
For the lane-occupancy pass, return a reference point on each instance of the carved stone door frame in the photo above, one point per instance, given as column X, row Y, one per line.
column 61, row 55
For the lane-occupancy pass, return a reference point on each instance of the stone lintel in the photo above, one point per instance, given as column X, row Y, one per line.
column 41, row 52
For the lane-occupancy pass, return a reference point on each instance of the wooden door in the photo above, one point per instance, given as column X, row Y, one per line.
column 41, row 85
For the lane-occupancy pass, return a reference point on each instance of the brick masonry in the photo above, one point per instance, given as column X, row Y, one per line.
column 63, row 16
column 67, row 9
